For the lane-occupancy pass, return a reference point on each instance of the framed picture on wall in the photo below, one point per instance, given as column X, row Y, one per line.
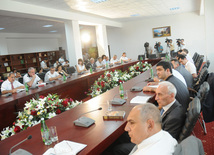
column 161, row 32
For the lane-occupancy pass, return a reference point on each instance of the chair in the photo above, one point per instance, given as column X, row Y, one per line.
column 141, row 57
column 20, row 80
column 192, row 115
column 202, row 95
column 42, row 76
column 195, row 56
column 199, row 62
column 201, row 78
column 162, row 54
column 71, row 70
column 152, row 56
column 207, row 64
column 190, row 145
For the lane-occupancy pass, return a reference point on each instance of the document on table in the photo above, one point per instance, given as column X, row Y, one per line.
column 65, row 148
column 140, row 99
column 153, row 86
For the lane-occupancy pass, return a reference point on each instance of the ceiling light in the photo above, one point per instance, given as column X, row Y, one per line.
column 175, row 8
column 86, row 37
column 1, row 28
column 53, row 31
column 47, row 25
column 135, row 15
column 98, row 1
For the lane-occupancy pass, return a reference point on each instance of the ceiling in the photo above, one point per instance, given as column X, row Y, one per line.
column 119, row 10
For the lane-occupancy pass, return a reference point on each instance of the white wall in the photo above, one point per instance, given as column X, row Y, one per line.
column 14, row 43
column 209, row 20
column 134, row 34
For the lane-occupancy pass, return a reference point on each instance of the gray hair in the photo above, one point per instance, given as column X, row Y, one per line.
column 29, row 69
column 10, row 74
column 170, row 87
column 91, row 59
column 149, row 111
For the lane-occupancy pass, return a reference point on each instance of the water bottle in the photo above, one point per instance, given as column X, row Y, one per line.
column 91, row 71
column 26, row 87
column 151, row 72
column 45, row 133
column 121, row 91
column 64, row 77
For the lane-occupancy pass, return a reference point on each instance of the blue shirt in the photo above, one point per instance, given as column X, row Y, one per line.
column 160, row 49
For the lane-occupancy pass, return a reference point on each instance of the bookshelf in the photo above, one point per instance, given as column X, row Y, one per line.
column 22, row 62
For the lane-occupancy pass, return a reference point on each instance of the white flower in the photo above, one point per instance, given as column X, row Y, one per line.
column 115, row 79
column 50, row 115
column 19, row 123
column 30, row 117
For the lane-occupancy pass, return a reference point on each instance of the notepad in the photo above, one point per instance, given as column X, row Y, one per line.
column 140, row 99
column 65, row 147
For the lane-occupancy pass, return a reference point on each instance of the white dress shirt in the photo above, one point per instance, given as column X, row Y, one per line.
column 43, row 65
column 61, row 60
column 165, row 108
column 6, row 85
column 113, row 61
column 179, row 76
column 124, row 58
column 161, row 143
column 98, row 64
column 48, row 75
column 27, row 79
column 190, row 67
column 189, row 58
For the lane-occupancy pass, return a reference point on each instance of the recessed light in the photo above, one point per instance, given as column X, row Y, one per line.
column 47, row 25
column 175, row 8
column 135, row 15
column 1, row 28
column 53, row 31
column 98, row 1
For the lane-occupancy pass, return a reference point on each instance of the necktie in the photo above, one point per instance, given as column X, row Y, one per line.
column 161, row 111
column 12, row 85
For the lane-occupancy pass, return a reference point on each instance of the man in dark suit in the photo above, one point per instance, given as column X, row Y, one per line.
column 91, row 64
column 172, row 113
column 181, row 69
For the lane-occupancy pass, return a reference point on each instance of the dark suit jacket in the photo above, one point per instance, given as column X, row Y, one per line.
column 173, row 120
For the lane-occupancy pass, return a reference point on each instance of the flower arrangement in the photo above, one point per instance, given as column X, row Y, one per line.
column 111, row 79
column 43, row 107
column 139, row 68
column 107, row 81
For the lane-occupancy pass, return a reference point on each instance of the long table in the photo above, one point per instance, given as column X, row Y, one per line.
column 97, row 137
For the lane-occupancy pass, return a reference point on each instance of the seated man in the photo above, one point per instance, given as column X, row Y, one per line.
column 11, row 85
column 186, row 53
column 52, row 75
column 187, row 76
column 43, row 64
column 91, row 64
column 65, row 63
column 164, row 72
column 31, row 78
column 190, row 67
column 144, row 128
column 172, row 113
column 114, row 60
column 124, row 58
column 99, row 62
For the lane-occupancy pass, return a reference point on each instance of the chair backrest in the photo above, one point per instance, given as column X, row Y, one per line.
column 20, row 80
column 42, row 76
column 192, row 115
column 195, row 56
column 71, row 70
column 199, row 62
column 207, row 64
column 203, row 92
column 201, row 78
column 190, row 145
column 152, row 56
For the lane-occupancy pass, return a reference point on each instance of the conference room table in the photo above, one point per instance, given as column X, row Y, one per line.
column 74, row 87
column 97, row 137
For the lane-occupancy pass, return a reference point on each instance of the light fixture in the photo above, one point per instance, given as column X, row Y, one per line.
column 47, row 25
column 1, row 28
column 175, row 8
column 86, row 37
column 135, row 15
column 53, row 31
column 98, row 1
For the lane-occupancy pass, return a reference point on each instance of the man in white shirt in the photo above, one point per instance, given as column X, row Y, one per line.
column 61, row 59
column 43, row 64
column 31, row 78
column 186, row 53
column 52, row 75
column 114, row 60
column 144, row 128
column 124, row 58
column 66, row 63
column 11, row 85
column 190, row 67
column 99, row 62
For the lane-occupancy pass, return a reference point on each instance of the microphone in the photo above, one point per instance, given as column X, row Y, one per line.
column 20, row 151
column 85, row 121
column 117, row 101
column 136, row 89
